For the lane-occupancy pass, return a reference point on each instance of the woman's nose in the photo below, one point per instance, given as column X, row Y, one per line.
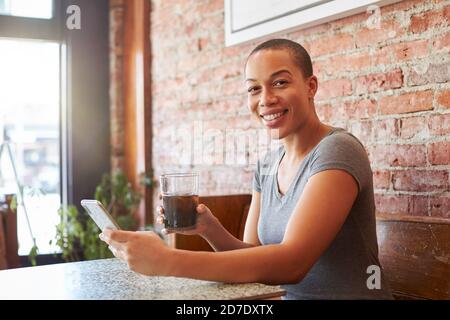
column 267, row 98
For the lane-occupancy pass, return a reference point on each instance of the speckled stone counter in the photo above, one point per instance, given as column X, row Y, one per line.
column 111, row 279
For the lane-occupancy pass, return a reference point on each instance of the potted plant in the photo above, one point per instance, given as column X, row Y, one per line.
column 77, row 234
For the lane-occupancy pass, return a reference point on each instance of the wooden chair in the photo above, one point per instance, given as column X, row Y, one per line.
column 415, row 254
column 414, row 251
column 9, row 246
column 231, row 210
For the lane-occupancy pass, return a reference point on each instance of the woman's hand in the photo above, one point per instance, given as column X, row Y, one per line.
column 143, row 251
column 206, row 221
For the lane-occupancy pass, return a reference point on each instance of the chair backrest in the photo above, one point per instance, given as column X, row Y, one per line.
column 416, row 257
column 231, row 210
column 9, row 245
column 3, row 261
column 414, row 252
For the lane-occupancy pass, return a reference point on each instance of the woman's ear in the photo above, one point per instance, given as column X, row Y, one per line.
column 312, row 86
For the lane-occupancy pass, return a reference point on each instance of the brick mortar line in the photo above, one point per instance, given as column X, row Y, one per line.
column 409, row 193
column 390, row 92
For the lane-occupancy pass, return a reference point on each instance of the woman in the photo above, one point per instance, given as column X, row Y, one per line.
column 311, row 223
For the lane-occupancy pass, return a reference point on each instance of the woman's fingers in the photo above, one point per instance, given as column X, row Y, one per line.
column 159, row 210
column 160, row 219
column 201, row 208
column 166, row 231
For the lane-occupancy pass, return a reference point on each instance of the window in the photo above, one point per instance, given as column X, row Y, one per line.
column 29, row 119
column 54, row 107
column 27, row 8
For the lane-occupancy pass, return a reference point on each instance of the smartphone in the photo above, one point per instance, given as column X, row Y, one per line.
column 99, row 214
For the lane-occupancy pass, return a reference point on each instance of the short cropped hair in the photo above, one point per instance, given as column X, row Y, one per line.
column 301, row 57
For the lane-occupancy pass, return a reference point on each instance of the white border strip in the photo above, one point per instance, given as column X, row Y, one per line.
column 299, row 20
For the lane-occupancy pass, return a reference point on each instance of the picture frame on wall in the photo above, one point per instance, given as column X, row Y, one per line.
column 253, row 19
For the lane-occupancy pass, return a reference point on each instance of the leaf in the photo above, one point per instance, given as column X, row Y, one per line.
column 14, row 203
column 33, row 253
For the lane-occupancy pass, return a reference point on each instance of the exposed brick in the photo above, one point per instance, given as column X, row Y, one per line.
column 442, row 42
column 401, row 204
column 412, row 127
column 420, row 180
column 360, row 109
column 348, row 62
column 418, row 205
column 231, row 88
column 327, row 45
column 424, row 21
column 440, row 206
column 406, row 50
column 334, row 88
column 381, row 56
column 429, row 73
column 394, row 204
column 196, row 76
column 379, row 82
column 407, row 102
column 369, row 37
column 439, row 152
column 385, row 130
column 210, row 7
column 402, row 6
column 299, row 35
column 228, row 70
column 362, row 130
column 398, row 155
column 323, row 111
column 443, row 98
column 381, row 179
column 440, row 124
column 348, row 21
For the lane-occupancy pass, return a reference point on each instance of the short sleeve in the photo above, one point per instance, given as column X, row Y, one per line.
column 257, row 178
column 342, row 151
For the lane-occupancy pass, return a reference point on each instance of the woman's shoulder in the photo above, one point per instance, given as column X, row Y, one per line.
column 340, row 138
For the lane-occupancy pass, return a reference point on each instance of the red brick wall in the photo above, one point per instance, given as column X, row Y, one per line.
column 390, row 86
column 116, row 75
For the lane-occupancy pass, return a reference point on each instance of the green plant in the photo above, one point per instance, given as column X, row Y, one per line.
column 77, row 234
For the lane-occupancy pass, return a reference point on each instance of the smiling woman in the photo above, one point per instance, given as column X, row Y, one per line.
column 311, row 222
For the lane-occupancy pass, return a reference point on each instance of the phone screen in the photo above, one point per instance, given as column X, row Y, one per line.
column 99, row 214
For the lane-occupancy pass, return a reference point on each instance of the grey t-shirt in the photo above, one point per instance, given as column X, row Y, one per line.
column 343, row 270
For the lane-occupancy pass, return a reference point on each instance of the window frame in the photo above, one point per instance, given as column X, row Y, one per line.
column 33, row 28
column 84, row 95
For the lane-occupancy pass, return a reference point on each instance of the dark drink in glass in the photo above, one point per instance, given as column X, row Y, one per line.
column 180, row 200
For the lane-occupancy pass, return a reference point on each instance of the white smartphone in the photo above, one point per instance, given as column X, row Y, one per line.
column 99, row 214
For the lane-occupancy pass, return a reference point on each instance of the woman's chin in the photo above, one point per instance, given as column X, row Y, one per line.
column 276, row 134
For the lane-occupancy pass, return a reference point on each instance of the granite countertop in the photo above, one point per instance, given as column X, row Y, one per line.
column 111, row 279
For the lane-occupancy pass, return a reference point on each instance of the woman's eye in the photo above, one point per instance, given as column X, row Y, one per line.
column 252, row 89
column 279, row 83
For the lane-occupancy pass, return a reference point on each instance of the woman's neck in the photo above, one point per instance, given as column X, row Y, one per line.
column 299, row 144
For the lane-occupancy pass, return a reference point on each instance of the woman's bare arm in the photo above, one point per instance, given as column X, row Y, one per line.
column 315, row 222
column 221, row 240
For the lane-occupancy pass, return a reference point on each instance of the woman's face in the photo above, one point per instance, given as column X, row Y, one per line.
column 278, row 94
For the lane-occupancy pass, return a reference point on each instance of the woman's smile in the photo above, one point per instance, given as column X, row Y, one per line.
column 274, row 119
